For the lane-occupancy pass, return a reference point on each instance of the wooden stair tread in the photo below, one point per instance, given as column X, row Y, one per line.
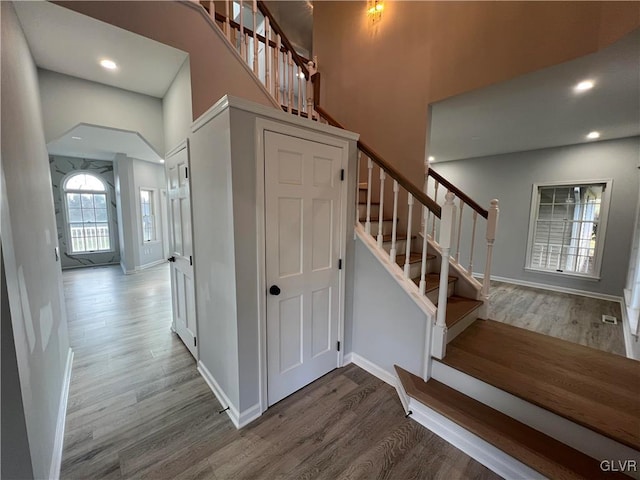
column 458, row 308
column 544, row 454
column 414, row 257
column 595, row 389
column 376, row 219
column 364, row 204
column 433, row 281
column 387, row 237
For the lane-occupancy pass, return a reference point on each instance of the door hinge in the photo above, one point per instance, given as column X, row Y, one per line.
column 190, row 260
column 186, row 172
column 338, row 346
column 339, row 264
column 342, row 175
column 195, row 342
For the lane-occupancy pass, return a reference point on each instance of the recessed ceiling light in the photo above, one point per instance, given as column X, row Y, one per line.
column 161, row 160
column 76, row 138
column 108, row 64
column 593, row 135
column 584, row 86
column 431, row 159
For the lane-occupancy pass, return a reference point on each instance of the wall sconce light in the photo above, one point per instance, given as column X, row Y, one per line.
column 374, row 10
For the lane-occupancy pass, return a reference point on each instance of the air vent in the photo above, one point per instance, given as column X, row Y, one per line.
column 610, row 319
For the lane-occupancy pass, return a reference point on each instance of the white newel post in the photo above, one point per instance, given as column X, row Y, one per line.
column 492, row 226
column 447, row 234
column 311, row 66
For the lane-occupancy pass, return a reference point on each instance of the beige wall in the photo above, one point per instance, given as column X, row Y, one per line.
column 215, row 69
column 379, row 80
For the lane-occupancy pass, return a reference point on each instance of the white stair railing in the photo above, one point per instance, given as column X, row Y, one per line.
column 261, row 43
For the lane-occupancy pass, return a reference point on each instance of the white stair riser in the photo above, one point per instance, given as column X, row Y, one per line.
column 576, row 436
column 362, row 211
column 433, row 294
column 415, row 269
column 401, row 247
column 387, row 226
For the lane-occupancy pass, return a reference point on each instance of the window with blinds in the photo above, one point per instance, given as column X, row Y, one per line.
column 567, row 228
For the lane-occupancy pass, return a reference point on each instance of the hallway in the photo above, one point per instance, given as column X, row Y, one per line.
column 139, row 409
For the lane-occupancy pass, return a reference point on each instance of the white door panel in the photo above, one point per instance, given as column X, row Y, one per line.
column 182, row 287
column 302, row 202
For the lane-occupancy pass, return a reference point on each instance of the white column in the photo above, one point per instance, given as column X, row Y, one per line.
column 492, row 226
column 447, row 234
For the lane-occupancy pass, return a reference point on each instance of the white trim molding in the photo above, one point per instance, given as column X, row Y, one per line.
column 553, row 288
column 631, row 343
column 56, row 458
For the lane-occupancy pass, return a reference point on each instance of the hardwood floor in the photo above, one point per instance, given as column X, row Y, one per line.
column 568, row 317
column 139, row 409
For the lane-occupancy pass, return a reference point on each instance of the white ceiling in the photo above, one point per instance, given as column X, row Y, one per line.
column 97, row 143
column 541, row 109
column 67, row 42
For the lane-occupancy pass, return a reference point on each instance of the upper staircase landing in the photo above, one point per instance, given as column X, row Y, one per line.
column 598, row 390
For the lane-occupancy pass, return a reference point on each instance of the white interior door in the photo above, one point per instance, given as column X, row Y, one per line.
column 181, row 259
column 302, row 216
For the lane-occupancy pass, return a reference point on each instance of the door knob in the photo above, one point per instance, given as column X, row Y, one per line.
column 172, row 259
column 274, row 290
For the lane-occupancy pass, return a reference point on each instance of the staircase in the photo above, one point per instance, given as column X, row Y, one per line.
column 525, row 405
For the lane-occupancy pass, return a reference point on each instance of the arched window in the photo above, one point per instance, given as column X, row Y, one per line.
column 85, row 198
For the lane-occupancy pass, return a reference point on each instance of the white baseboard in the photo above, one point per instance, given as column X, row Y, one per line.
column 347, row 359
column 239, row 419
column 149, row 265
column 373, row 369
column 553, row 288
column 56, row 458
column 478, row 449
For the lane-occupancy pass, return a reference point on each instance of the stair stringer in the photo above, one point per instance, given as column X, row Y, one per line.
column 477, row 448
column 410, row 288
column 576, row 436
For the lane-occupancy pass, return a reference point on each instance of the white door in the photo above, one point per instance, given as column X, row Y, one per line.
column 181, row 249
column 302, row 216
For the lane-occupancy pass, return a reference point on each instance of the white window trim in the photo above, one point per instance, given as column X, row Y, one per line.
column 600, row 235
column 154, row 205
column 65, row 213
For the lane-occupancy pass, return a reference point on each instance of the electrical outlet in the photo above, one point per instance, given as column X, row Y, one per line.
column 610, row 319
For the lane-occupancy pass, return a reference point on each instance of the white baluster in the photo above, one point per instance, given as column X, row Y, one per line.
column 367, row 223
column 423, row 219
column 473, row 241
column 358, row 163
column 227, row 24
column 435, row 199
column 423, row 267
column 212, row 10
column 407, row 264
column 246, row 48
column 492, row 226
column 312, row 70
column 267, row 55
column 447, row 233
column 277, row 69
column 300, row 75
column 380, row 209
column 255, row 37
column 290, row 83
column 394, row 225
column 243, row 47
column 459, row 232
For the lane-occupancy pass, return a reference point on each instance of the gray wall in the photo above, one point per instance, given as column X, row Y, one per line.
column 176, row 108
column 68, row 101
column 60, row 168
column 510, row 178
column 34, row 278
column 388, row 327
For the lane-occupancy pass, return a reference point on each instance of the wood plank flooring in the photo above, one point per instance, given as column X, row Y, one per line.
column 139, row 409
column 596, row 389
column 568, row 317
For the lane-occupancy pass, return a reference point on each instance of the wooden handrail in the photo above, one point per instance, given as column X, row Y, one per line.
column 388, row 168
column 459, row 193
